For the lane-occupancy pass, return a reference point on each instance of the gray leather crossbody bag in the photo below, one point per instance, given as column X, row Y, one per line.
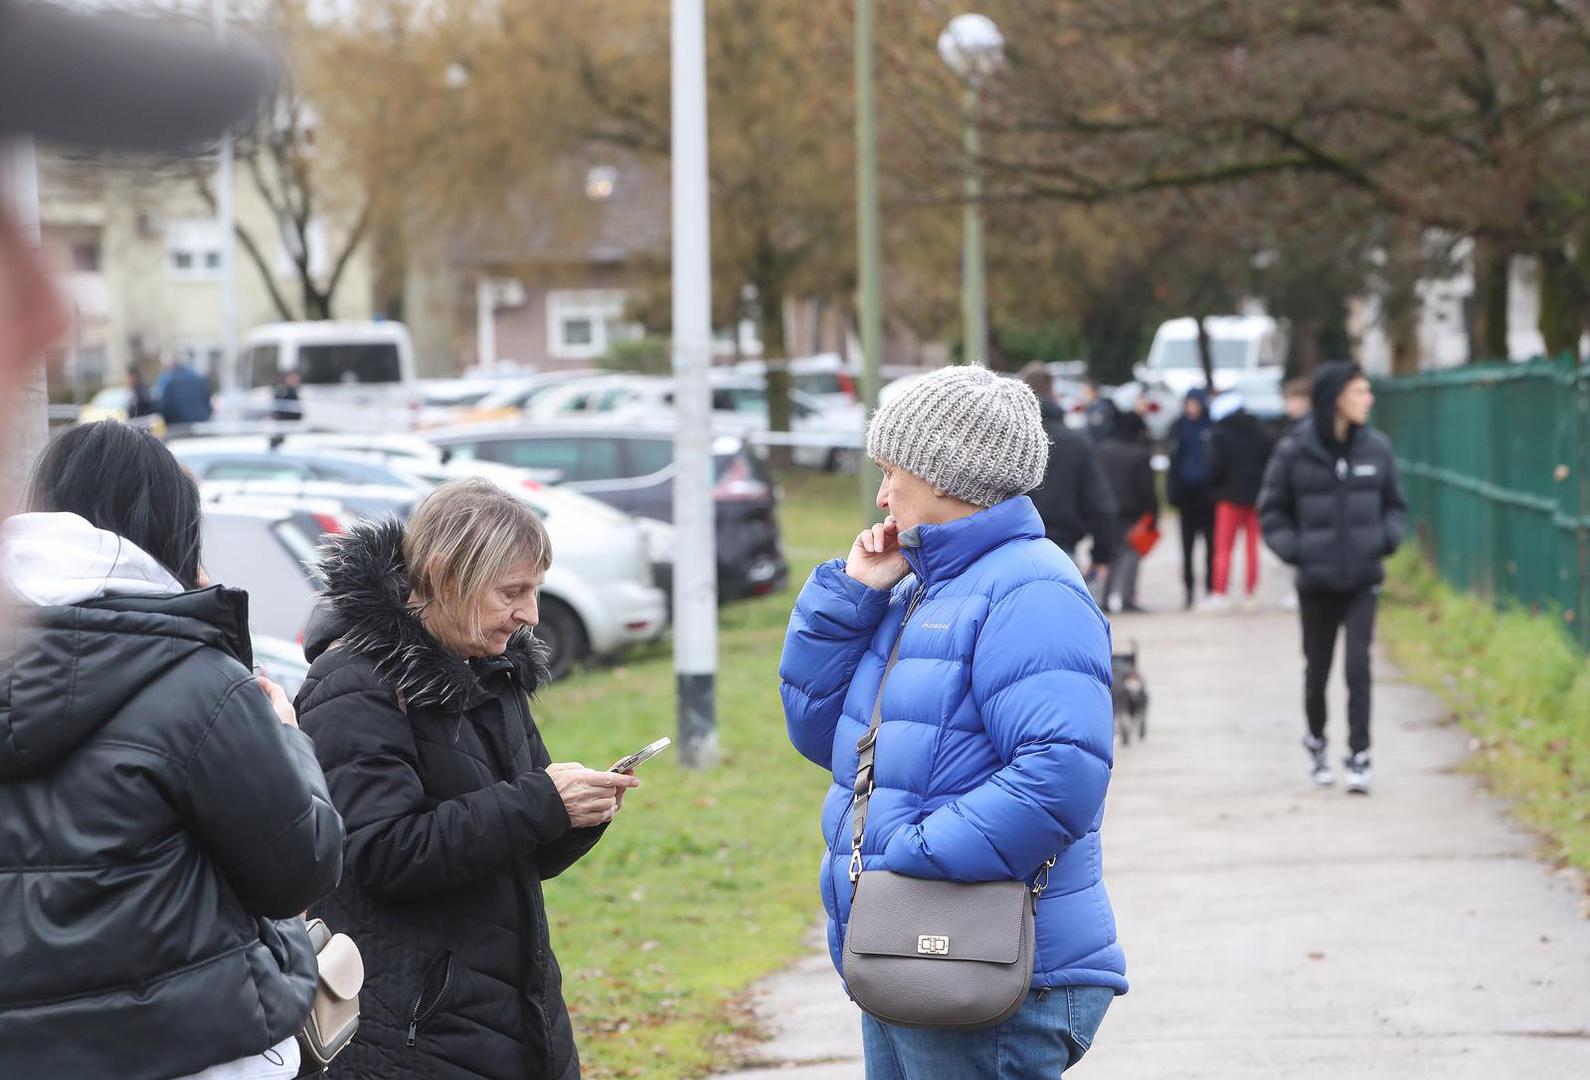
column 934, row 954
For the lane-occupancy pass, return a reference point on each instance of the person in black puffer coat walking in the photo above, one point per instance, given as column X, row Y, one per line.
column 1332, row 507
column 1239, row 450
column 161, row 823
column 417, row 699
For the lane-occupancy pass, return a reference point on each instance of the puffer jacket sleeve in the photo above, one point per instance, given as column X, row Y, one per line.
column 1278, row 505
column 253, row 792
column 834, row 620
column 1040, row 680
column 402, row 843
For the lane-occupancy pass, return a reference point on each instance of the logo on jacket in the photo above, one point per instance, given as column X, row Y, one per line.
column 1365, row 470
column 935, row 626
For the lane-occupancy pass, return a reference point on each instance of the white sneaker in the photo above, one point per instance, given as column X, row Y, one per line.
column 1357, row 766
column 1215, row 604
column 1289, row 602
column 1320, row 770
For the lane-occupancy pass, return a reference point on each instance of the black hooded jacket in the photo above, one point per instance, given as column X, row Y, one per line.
column 1074, row 499
column 1333, row 510
column 156, row 821
column 452, row 822
column 1239, row 449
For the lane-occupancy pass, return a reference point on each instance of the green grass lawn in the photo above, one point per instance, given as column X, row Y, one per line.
column 707, row 881
column 1520, row 686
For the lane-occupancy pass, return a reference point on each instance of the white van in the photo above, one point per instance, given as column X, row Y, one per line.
column 1241, row 345
column 355, row 376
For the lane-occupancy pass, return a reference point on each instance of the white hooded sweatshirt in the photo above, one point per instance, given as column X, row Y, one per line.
column 52, row 560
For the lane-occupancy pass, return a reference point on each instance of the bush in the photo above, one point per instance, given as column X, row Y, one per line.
column 644, row 356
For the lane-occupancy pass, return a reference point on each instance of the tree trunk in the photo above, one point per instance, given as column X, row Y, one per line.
column 1305, row 344
column 1206, row 354
column 1562, row 303
column 770, row 322
column 1488, row 338
column 1402, row 329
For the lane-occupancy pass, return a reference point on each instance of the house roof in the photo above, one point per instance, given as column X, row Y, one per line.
column 603, row 206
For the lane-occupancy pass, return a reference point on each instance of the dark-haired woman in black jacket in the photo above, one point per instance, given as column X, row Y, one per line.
column 162, row 823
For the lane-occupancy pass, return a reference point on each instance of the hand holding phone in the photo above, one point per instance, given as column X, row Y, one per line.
column 640, row 757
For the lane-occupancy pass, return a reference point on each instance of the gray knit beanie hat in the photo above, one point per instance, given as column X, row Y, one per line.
column 968, row 432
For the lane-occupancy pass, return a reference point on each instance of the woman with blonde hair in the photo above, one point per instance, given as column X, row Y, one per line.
column 418, row 702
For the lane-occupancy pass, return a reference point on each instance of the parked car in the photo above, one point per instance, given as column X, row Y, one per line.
column 115, row 403
column 600, row 594
column 1159, row 406
column 822, row 438
column 356, row 376
column 824, row 378
column 516, row 397
column 630, row 466
column 366, row 489
column 269, row 549
column 446, row 401
column 1239, row 344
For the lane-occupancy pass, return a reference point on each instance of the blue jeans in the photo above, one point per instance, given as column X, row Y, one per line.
column 1048, row 1035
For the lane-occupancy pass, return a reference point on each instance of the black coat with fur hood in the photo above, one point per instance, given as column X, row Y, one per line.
column 452, row 825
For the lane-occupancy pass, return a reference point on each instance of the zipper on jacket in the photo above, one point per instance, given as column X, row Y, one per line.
column 416, row 1016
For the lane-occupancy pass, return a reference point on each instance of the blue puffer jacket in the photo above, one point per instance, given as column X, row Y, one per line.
column 997, row 739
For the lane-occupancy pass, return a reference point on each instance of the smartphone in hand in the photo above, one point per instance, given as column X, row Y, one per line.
column 639, row 757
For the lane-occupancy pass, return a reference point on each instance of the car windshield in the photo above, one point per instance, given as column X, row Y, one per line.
column 1182, row 354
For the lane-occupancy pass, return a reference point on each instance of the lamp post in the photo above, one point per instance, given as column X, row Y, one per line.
column 974, row 49
column 868, row 249
column 695, row 567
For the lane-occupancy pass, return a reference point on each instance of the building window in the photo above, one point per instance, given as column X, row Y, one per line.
column 578, row 332
column 193, row 249
column 583, row 324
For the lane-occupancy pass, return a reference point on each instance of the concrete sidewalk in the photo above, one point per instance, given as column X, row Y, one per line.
column 1277, row 931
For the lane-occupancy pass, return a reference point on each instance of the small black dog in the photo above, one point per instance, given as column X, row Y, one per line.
column 1129, row 696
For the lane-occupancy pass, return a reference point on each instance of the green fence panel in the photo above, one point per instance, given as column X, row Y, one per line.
column 1496, row 465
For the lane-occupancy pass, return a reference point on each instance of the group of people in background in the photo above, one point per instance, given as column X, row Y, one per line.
column 1320, row 488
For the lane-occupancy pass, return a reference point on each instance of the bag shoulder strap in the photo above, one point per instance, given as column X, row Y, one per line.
column 867, row 749
column 867, row 746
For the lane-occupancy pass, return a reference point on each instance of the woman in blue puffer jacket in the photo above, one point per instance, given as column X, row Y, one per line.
column 995, row 746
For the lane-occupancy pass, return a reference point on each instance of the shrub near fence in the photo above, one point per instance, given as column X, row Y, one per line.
column 1496, row 467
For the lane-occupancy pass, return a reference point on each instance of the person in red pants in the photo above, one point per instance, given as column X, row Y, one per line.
column 1240, row 449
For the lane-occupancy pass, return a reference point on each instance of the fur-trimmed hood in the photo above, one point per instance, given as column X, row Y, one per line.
column 365, row 609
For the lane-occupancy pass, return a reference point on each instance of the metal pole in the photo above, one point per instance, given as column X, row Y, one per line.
column 28, row 425
column 972, row 293
column 695, row 513
column 869, row 248
column 226, row 215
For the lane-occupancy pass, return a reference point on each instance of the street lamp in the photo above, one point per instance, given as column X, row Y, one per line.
column 974, row 49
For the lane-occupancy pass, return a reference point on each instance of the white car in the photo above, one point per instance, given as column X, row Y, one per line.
column 356, row 376
column 821, row 438
column 600, row 594
column 1239, row 345
column 269, row 550
column 829, row 381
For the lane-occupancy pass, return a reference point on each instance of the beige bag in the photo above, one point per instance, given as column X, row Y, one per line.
column 334, row 1017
